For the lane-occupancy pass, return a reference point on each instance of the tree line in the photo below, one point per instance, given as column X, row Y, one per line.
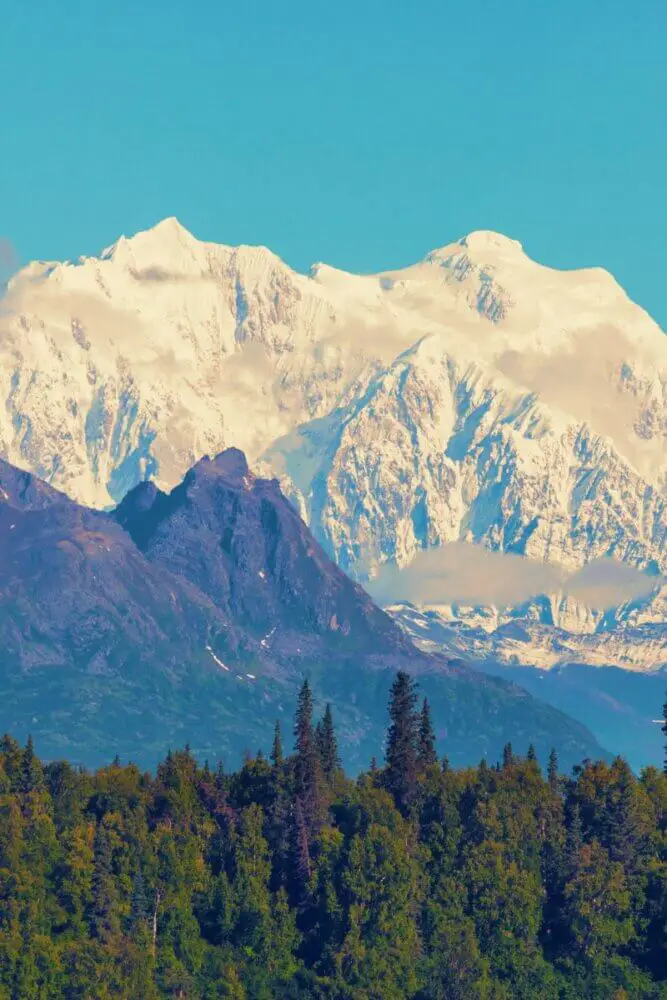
column 287, row 879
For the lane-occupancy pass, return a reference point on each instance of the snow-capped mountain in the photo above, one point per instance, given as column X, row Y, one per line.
column 475, row 397
column 515, row 640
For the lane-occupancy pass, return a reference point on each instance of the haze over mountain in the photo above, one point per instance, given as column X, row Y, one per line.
column 476, row 398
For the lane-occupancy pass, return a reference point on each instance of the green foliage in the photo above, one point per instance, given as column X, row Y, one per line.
column 308, row 773
column 289, row 880
column 402, row 741
column 426, row 755
column 327, row 745
column 277, row 758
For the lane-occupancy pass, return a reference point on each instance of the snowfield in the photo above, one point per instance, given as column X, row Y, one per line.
column 476, row 398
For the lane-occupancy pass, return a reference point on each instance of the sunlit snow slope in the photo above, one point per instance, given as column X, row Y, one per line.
column 476, row 396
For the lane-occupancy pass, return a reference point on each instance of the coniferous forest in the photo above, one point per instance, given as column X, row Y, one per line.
column 288, row 879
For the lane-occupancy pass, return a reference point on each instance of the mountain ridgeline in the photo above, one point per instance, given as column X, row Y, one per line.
column 476, row 397
column 286, row 880
column 193, row 616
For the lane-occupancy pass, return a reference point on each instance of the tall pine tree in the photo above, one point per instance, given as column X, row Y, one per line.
column 301, row 867
column 426, row 755
column 277, row 748
column 575, row 838
column 102, row 918
column 304, row 740
column 508, row 756
column 402, row 739
column 32, row 776
column 308, row 770
column 327, row 745
column 552, row 770
column 139, row 910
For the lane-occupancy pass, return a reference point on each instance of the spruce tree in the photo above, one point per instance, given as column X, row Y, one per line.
column 139, row 911
column 304, row 739
column 32, row 776
column 301, row 863
column 426, row 755
column 402, row 741
column 279, row 807
column 327, row 745
column 626, row 841
column 445, row 764
column 12, row 759
column 532, row 753
column 102, row 920
column 277, row 758
column 308, row 770
column 552, row 770
column 664, row 729
column 508, row 756
column 575, row 838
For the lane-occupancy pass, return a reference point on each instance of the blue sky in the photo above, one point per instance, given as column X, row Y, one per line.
column 360, row 133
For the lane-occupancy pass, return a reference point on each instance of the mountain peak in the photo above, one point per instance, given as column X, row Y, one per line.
column 481, row 242
column 486, row 239
column 231, row 463
column 167, row 230
column 170, row 225
column 165, row 235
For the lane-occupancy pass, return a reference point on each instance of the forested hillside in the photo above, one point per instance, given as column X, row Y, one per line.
column 286, row 879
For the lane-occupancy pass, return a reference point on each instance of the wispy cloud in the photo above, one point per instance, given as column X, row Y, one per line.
column 467, row 574
column 160, row 275
column 606, row 583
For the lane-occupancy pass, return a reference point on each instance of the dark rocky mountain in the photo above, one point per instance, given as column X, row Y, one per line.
column 193, row 617
column 237, row 539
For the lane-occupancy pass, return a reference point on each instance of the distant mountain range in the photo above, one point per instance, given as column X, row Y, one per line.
column 620, row 706
column 193, row 616
column 474, row 399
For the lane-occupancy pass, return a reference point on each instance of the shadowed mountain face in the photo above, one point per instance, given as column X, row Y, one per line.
column 238, row 540
column 23, row 491
column 193, row 617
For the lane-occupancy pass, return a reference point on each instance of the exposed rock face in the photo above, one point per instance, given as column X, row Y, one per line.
column 236, row 538
column 194, row 615
column 475, row 396
column 514, row 639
